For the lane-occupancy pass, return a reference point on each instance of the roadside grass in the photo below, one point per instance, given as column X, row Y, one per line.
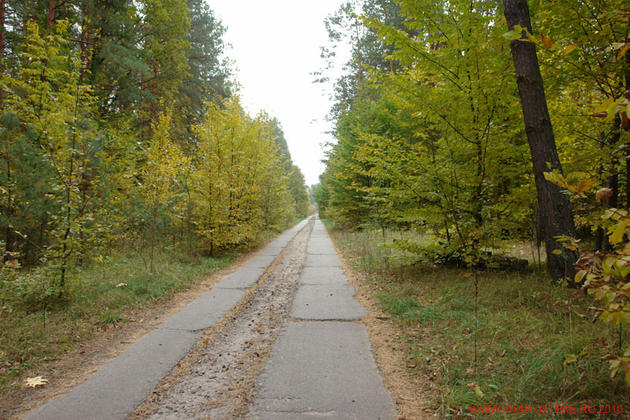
column 524, row 327
column 97, row 297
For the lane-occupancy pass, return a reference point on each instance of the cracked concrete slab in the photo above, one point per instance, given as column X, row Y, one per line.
column 322, row 369
column 327, row 302
column 205, row 311
column 321, row 247
column 244, row 278
column 260, row 261
column 124, row 382
column 318, row 260
column 323, row 275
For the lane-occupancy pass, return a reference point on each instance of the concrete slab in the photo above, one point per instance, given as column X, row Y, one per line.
column 323, row 275
column 242, row 279
column 326, row 302
column 273, row 250
column 320, row 249
column 260, row 261
column 318, row 260
column 322, row 369
column 205, row 311
column 119, row 386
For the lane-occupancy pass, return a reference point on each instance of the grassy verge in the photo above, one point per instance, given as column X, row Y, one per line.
column 98, row 297
column 507, row 346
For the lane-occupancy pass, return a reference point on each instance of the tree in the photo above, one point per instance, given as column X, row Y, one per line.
column 57, row 108
column 164, row 159
column 554, row 216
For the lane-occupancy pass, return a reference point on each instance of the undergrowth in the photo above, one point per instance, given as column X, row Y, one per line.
column 95, row 298
column 515, row 347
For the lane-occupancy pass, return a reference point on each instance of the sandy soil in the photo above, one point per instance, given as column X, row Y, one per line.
column 216, row 380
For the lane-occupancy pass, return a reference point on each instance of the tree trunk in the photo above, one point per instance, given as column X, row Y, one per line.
column 51, row 14
column 626, row 72
column 554, row 208
column 2, row 51
column 8, row 240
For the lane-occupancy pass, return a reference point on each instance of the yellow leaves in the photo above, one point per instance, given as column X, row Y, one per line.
column 579, row 276
column 239, row 179
column 35, row 382
column 611, row 107
column 569, row 49
column 476, row 388
column 585, row 185
column 573, row 358
column 617, row 231
column 623, row 51
column 622, row 47
column 555, row 177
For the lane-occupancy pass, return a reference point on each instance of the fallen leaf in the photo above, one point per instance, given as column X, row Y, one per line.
column 121, row 284
column 36, row 381
column 475, row 388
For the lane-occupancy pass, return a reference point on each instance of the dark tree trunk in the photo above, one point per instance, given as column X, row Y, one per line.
column 51, row 14
column 627, row 151
column 554, row 207
column 2, row 44
column 8, row 240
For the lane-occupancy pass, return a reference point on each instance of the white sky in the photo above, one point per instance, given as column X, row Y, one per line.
column 275, row 46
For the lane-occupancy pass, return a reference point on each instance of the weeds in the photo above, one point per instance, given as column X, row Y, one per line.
column 524, row 326
column 35, row 329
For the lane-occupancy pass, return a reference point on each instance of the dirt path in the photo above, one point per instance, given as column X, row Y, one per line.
column 216, row 380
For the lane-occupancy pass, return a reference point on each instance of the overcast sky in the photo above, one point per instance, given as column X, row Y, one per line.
column 275, row 47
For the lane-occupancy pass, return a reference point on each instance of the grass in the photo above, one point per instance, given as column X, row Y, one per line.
column 513, row 345
column 97, row 297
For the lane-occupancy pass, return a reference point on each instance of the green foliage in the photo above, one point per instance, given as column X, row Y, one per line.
column 605, row 275
column 405, row 157
column 124, row 159
column 101, row 144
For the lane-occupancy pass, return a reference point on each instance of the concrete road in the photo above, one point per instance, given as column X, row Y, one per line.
column 321, row 365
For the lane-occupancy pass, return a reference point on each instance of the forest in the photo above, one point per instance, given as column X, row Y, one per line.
column 465, row 127
column 124, row 147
